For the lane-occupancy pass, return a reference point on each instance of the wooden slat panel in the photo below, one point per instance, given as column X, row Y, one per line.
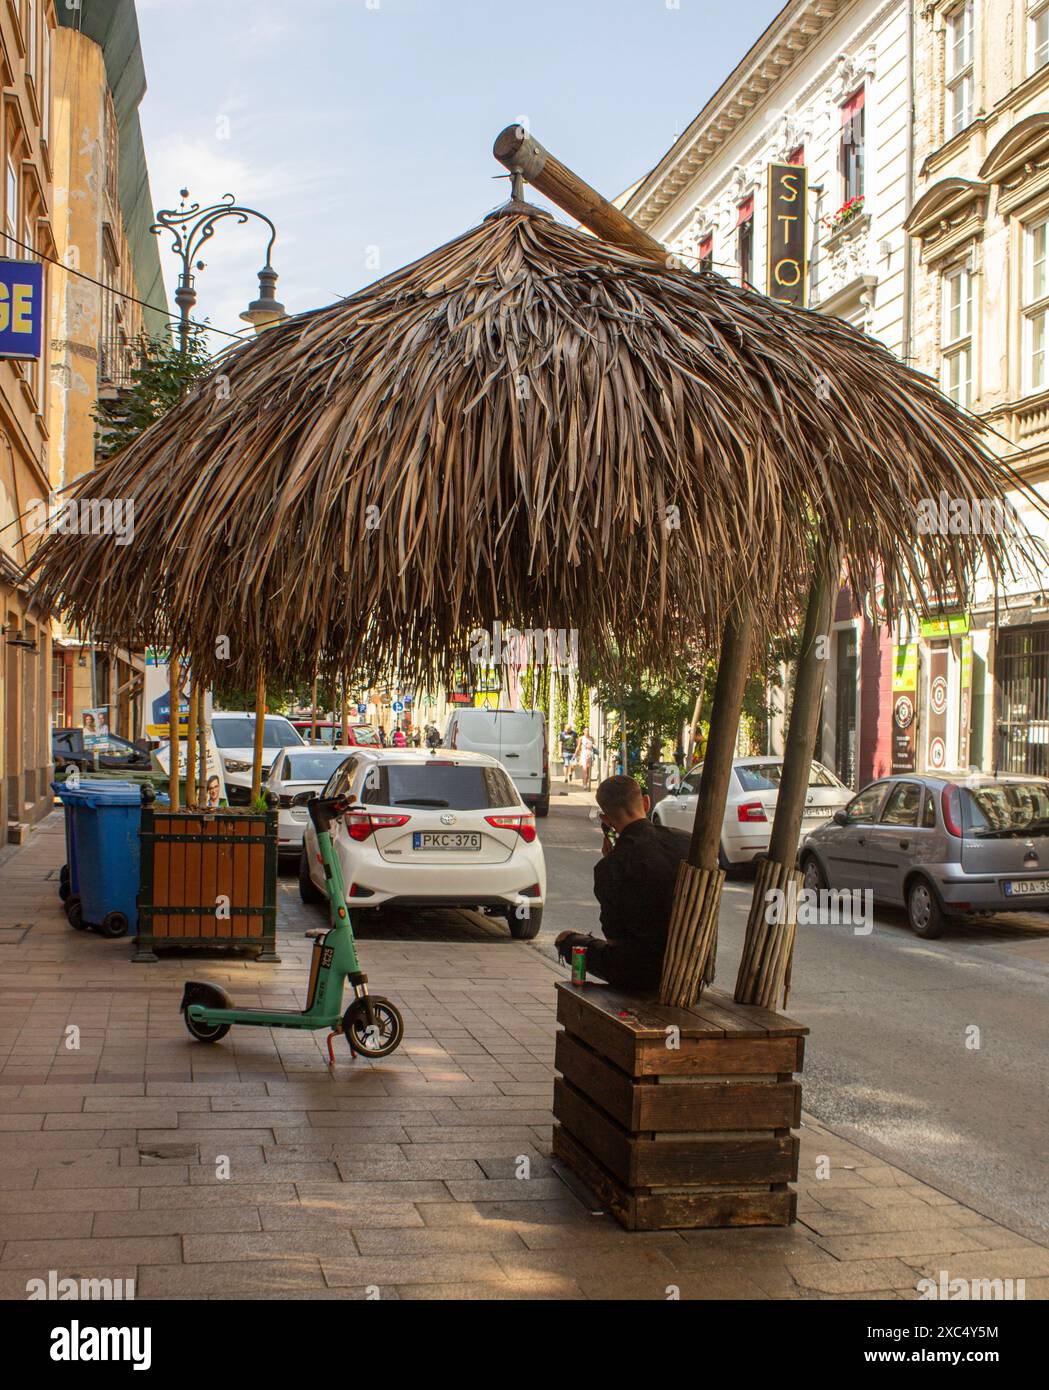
column 256, row 874
column 717, row 1105
column 209, row 889
column 177, row 882
column 613, row 1090
column 224, row 859
column 719, row 1057
column 640, row 1162
column 662, row 1211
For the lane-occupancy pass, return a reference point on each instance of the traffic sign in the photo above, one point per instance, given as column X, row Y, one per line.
column 398, row 706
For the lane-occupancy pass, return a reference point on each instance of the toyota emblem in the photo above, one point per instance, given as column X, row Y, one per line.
column 447, row 818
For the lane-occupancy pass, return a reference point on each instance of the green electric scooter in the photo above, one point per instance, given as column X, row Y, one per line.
column 371, row 1025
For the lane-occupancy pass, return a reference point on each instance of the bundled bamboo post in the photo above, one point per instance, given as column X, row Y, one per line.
column 174, row 700
column 768, row 946
column 689, row 958
column 191, row 740
column 345, row 709
column 260, row 730
column 202, row 743
column 313, row 709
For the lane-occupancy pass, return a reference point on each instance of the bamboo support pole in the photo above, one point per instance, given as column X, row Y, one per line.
column 313, row 710
column 690, row 955
column 191, row 742
column 260, row 730
column 768, row 946
column 202, row 744
column 345, row 710
column 174, row 700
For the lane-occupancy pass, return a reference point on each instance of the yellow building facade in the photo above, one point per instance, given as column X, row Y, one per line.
column 26, row 33
column 102, row 212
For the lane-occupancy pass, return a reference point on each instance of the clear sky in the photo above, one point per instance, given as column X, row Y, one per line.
column 364, row 128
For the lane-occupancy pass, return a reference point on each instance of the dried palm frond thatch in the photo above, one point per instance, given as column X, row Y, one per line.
column 526, row 424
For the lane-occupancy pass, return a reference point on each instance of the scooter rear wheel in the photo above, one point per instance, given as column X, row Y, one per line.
column 206, row 1032
column 378, row 1039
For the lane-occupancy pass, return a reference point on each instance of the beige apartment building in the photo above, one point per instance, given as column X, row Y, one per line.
column 980, row 314
column 26, row 30
column 102, row 214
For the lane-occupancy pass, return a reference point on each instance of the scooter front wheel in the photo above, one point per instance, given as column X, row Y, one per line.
column 377, row 1039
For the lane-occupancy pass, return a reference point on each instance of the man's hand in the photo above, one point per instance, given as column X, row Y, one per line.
column 606, row 846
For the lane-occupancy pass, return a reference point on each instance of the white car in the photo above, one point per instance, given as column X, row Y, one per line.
column 234, row 733
column 295, row 776
column 432, row 828
column 751, row 806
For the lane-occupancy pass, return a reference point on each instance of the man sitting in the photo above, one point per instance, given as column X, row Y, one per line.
column 634, row 884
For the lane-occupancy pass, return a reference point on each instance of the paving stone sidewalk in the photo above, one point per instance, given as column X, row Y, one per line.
column 400, row 1178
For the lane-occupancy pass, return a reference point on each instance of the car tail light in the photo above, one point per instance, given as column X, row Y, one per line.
column 951, row 806
column 524, row 825
column 751, row 811
column 285, row 800
column 360, row 824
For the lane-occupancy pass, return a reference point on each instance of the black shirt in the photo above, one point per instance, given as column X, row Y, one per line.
column 634, row 886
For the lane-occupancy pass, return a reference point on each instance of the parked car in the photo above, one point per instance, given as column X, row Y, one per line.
column 361, row 735
column 434, row 829
column 295, row 775
column 940, row 846
column 751, row 806
column 110, row 753
column 234, row 733
column 516, row 738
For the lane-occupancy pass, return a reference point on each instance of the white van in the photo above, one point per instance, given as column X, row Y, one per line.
column 517, row 738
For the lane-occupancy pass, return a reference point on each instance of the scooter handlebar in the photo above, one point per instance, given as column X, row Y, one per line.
column 323, row 810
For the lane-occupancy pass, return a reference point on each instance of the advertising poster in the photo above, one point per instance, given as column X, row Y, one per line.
column 96, row 727
column 904, row 707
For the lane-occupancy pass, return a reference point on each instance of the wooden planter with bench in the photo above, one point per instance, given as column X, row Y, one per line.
column 208, row 880
column 678, row 1118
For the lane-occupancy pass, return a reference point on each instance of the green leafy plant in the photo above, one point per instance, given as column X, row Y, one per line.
column 161, row 378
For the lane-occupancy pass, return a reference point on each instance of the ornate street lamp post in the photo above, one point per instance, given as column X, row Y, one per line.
column 190, row 227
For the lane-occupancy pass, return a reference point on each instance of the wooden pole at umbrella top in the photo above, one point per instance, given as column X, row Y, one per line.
column 521, row 153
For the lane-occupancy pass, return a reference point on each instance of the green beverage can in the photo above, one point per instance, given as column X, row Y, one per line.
column 579, row 965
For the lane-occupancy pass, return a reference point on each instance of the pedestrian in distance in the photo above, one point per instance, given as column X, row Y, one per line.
column 399, row 740
column 569, row 743
column 585, row 757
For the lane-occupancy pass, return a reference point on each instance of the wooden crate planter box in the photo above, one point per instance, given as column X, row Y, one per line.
column 189, row 862
column 667, row 1137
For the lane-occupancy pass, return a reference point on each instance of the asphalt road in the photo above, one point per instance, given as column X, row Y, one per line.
column 889, row 1060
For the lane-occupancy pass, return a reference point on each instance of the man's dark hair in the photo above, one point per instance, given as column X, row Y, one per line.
column 619, row 794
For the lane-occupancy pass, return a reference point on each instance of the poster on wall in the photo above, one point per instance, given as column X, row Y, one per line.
column 96, row 726
column 904, row 707
column 158, row 697
column 936, row 732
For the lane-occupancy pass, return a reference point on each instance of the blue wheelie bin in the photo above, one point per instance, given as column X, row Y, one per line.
column 68, row 880
column 106, row 821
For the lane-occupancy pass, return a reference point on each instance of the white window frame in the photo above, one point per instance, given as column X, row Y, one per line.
column 957, row 347
column 959, row 68
column 11, row 186
column 1037, row 14
column 32, row 35
column 1035, row 306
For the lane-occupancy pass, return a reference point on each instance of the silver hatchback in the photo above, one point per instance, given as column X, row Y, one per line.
column 939, row 846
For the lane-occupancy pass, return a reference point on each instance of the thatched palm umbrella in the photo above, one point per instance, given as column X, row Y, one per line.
column 526, row 424
column 531, row 425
